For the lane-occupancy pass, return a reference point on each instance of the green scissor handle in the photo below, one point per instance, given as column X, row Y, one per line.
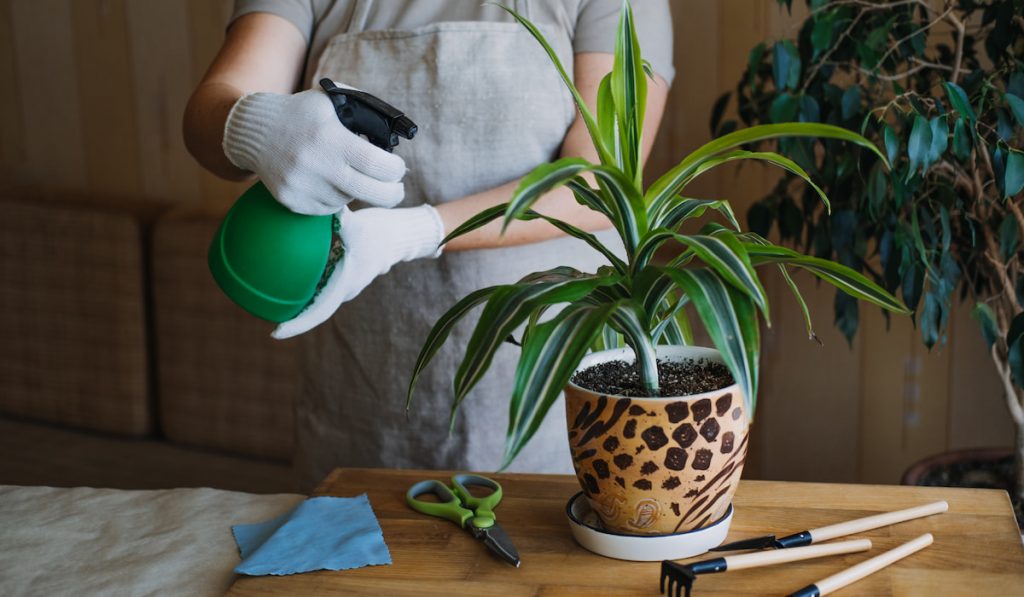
column 483, row 507
column 450, row 506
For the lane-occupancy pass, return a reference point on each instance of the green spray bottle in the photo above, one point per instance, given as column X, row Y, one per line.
column 272, row 262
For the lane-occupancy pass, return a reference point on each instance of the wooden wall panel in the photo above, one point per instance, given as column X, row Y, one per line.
column 47, row 81
column 106, row 99
column 977, row 415
column 12, row 150
column 162, row 80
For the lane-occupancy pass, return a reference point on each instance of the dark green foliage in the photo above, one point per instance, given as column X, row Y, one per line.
column 943, row 93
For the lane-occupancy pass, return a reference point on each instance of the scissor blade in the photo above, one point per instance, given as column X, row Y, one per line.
column 752, row 543
column 495, row 538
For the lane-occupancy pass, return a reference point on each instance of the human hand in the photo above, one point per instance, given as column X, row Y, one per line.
column 374, row 240
column 309, row 161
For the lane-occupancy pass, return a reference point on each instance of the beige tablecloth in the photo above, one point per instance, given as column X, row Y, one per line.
column 85, row 541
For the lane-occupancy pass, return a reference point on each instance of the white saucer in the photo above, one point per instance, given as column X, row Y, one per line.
column 643, row 548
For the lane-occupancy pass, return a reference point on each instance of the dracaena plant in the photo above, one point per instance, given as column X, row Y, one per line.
column 564, row 313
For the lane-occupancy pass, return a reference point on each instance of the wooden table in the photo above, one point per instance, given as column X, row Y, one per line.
column 977, row 549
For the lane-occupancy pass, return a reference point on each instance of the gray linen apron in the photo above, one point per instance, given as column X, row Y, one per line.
column 490, row 107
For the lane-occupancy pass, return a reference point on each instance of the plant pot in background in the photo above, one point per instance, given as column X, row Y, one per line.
column 652, row 466
column 988, row 468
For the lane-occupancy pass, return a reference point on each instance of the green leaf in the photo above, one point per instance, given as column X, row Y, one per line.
column 717, row 110
column 674, row 180
column 1008, row 237
column 851, row 102
column 821, row 34
column 731, row 321
column 1017, row 107
column 986, row 319
column 753, row 63
column 920, row 143
column 606, row 119
column 728, row 257
column 583, row 235
column 940, row 139
column 782, row 54
column 589, row 197
column 765, row 156
column 629, row 92
column 1014, row 173
column 801, row 302
column 840, row 276
column 877, row 188
column 1016, row 330
column 629, row 322
column 541, row 180
column 547, row 362
column 680, row 209
column 784, row 108
column 958, row 98
column 440, row 332
column 961, row 140
column 892, row 144
column 507, row 308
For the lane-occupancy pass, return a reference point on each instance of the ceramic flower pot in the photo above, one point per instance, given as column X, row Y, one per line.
column 652, row 466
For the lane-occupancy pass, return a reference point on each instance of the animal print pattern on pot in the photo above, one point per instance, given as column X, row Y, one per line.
column 652, row 466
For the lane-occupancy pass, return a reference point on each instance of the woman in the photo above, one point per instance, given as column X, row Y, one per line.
column 490, row 107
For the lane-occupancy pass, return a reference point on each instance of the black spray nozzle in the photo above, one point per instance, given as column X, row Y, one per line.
column 368, row 115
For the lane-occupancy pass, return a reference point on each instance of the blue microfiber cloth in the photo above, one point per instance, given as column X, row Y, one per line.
column 321, row 533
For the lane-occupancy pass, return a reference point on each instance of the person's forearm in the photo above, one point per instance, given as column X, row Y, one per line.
column 559, row 204
column 262, row 52
column 203, row 128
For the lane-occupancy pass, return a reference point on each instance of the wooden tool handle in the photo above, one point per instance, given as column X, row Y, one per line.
column 873, row 522
column 781, row 556
column 855, row 573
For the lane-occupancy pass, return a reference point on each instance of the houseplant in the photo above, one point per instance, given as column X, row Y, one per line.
column 643, row 304
column 941, row 85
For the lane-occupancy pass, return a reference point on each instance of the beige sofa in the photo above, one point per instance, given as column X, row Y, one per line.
column 112, row 326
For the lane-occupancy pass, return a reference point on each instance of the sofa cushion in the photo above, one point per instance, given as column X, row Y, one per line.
column 72, row 311
column 222, row 381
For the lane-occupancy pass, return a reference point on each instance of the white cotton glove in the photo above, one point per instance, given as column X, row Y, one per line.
column 374, row 240
column 309, row 161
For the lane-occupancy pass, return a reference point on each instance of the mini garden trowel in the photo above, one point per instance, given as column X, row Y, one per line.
column 836, row 530
column 273, row 262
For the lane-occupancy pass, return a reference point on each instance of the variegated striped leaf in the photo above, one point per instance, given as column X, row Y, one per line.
column 730, row 318
column 548, row 360
column 840, row 276
column 672, row 182
column 439, row 334
column 629, row 92
column 769, row 157
column 679, row 209
column 586, row 237
column 588, row 197
column 728, row 257
column 507, row 308
column 539, row 181
column 631, row 325
column 478, row 221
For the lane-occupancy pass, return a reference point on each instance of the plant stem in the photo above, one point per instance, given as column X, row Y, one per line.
column 648, row 370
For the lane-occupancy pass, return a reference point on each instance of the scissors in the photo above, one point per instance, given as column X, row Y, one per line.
column 475, row 514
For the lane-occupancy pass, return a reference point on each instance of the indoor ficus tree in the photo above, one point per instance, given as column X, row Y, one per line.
column 562, row 313
column 939, row 84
